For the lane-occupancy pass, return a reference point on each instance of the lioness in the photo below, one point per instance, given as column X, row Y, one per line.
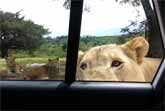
column 126, row 62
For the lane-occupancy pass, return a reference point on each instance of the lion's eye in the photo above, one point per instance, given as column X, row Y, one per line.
column 116, row 63
column 83, row 66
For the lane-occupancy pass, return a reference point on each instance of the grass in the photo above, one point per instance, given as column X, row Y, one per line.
column 25, row 61
column 2, row 64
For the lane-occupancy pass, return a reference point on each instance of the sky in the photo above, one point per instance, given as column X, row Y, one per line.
column 106, row 17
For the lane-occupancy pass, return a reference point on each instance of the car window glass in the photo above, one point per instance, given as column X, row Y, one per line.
column 33, row 39
column 120, row 41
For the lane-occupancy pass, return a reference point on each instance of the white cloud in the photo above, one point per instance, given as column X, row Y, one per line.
column 104, row 15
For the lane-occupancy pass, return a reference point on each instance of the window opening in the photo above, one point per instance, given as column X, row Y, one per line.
column 33, row 41
column 121, row 44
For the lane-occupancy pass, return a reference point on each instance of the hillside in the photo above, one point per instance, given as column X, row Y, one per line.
column 57, row 47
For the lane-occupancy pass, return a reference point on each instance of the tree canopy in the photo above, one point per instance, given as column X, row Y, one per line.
column 150, row 26
column 23, row 34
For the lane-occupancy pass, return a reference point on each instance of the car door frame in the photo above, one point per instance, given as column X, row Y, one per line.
column 71, row 94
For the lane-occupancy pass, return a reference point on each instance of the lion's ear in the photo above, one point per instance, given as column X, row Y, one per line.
column 136, row 48
column 80, row 56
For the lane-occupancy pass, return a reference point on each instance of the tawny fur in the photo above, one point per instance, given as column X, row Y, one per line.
column 14, row 67
column 31, row 71
column 134, row 65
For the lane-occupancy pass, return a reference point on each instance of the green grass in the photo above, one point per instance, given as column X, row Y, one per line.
column 2, row 64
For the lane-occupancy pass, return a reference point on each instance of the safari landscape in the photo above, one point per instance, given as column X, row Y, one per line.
column 29, row 52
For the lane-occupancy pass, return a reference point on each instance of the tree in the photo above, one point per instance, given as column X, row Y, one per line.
column 64, row 46
column 134, row 29
column 152, row 33
column 20, row 33
column 67, row 4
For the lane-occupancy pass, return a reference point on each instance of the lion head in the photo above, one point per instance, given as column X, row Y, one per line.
column 113, row 62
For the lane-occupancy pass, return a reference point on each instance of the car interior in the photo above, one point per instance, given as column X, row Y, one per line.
column 83, row 93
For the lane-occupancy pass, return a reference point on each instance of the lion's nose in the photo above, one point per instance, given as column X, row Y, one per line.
column 99, row 70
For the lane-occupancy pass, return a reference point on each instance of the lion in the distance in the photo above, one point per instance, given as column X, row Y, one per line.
column 126, row 62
